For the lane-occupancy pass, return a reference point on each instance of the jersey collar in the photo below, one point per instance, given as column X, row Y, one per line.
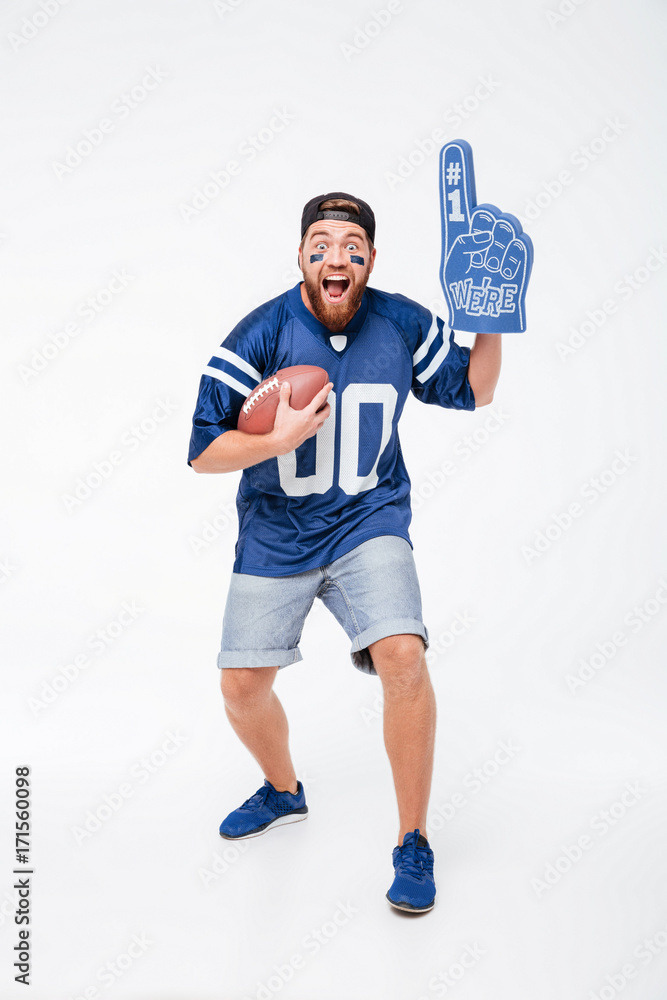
column 312, row 322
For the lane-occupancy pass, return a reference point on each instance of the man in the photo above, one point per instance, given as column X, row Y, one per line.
column 324, row 510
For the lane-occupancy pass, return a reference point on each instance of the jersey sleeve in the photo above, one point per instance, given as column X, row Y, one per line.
column 440, row 368
column 235, row 369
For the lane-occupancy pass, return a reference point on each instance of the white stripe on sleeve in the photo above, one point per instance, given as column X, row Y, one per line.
column 435, row 364
column 422, row 351
column 228, row 380
column 238, row 362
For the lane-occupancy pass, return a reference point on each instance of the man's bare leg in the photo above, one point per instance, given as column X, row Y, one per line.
column 259, row 721
column 409, row 724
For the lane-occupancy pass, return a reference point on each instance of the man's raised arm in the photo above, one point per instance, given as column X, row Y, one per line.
column 484, row 367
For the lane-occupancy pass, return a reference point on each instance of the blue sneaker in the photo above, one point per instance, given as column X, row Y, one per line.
column 263, row 810
column 413, row 888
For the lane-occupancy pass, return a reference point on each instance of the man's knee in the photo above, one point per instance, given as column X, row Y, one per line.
column 241, row 685
column 399, row 660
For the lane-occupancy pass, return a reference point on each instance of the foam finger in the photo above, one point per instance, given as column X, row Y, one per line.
column 513, row 260
column 457, row 192
column 503, row 234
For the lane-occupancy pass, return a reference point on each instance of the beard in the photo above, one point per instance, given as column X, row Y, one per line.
column 333, row 315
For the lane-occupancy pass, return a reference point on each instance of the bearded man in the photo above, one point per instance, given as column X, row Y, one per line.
column 324, row 511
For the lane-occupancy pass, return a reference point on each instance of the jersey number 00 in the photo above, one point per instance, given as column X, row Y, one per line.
column 349, row 480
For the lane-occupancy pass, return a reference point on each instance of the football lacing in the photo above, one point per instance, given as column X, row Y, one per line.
column 251, row 400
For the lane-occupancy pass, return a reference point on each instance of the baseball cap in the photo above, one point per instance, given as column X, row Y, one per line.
column 312, row 213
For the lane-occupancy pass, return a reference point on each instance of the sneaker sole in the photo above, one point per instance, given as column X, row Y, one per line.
column 294, row 817
column 406, row 908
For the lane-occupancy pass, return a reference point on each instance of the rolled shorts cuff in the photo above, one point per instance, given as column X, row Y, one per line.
column 381, row 630
column 236, row 658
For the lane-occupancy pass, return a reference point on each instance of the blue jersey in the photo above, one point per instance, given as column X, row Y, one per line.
column 348, row 483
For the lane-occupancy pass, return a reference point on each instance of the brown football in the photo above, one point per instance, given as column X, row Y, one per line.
column 258, row 412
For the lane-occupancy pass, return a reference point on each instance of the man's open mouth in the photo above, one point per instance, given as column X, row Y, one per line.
column 335, row 287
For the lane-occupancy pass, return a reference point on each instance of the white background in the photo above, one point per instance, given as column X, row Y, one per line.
column 534, row 92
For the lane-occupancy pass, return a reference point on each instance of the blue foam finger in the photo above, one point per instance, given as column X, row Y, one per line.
column 475, row 245
column 486, row 257
column 457, row 192
column 483, row 219
column 503, row 234
column 481, row 228
column 514, row 258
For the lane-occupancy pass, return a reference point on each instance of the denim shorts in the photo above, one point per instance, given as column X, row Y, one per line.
column 372, row 591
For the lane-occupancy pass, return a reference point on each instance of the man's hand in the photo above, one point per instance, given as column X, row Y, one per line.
column 293, row 427
column 486, row 256
column 235, row 450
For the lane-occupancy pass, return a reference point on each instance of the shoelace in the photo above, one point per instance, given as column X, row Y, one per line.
column 259, row 798
column 412, row 863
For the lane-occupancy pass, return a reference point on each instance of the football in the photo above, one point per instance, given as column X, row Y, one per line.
column 258, row 412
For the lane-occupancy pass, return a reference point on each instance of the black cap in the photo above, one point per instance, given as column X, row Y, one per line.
column 365, row 217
